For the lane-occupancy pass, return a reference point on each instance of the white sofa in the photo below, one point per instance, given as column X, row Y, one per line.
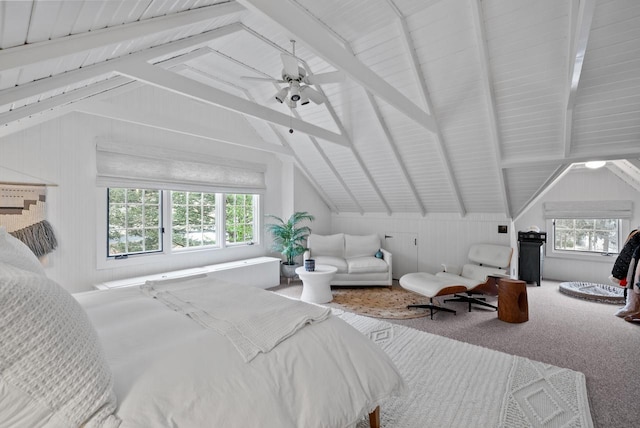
column 354, row 256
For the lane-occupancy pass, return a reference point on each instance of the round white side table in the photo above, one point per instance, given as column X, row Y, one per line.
column 315, row 284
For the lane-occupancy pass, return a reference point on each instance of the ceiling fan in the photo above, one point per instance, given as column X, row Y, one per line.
column 298, row 81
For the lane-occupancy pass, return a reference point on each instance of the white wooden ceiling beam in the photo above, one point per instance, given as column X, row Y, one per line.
column 583, row 157
column 426, row 98
column 43, row 86
column 176, row 83
column 626, row 171
column 21, row 56
column 577, row 49
column 63, row 80
column 487, row 78
column 61, row 100
column 306, row 30
column 176, row 125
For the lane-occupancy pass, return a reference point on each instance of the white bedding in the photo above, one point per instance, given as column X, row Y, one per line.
column 171, row 372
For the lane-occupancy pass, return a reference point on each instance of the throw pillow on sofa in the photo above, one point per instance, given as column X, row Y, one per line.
column 361, row 246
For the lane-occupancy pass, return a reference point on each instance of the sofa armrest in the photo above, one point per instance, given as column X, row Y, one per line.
column 388, row 257
column 306, row 255
column 455, row 270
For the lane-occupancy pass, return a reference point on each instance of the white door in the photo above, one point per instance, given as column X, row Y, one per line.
column 404, row 249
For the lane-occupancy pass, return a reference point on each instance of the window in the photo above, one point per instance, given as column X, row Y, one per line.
column 135, row 221
column 239, row 217
column 193, row 219
column 600, row 235
column 136, row 218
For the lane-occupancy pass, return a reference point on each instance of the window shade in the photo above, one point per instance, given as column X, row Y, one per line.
column 589, row 209
column 152, row 168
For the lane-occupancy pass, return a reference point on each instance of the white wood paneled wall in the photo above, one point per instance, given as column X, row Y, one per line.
column 441, row 238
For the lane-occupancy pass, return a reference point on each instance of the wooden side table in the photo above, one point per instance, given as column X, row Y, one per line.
column 512, row 301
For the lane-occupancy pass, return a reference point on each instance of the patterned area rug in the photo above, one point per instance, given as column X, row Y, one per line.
column 456, row 384
column 594, row 292
column 379, row 302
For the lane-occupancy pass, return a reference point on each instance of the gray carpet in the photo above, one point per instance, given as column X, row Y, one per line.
column 563, row 331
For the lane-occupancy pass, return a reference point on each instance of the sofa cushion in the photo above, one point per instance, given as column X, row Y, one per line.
column 338, row 262
column 360, row 245
column 326, row 245
column 366, row 265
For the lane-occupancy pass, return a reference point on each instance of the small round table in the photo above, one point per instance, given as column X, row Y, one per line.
column 316, row 286
column 512, row 301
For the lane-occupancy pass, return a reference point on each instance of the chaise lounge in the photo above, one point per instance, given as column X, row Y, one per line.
column 488, row 263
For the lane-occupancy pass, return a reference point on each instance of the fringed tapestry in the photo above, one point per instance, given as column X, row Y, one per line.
column 22, row 213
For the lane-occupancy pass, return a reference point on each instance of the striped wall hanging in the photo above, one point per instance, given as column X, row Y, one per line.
column 22, row 213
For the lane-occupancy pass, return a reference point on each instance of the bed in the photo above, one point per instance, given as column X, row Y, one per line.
column 189, row 353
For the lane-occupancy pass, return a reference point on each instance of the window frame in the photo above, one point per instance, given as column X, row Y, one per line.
column 104, row 261
column 160, row 229
column 551, row 252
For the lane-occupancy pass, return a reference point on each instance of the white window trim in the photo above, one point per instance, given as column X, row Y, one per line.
column 550, row 252
column 167, row 255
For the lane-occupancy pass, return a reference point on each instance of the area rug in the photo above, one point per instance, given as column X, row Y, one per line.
column 456, row 384
column 378, row 302
column 603, row 293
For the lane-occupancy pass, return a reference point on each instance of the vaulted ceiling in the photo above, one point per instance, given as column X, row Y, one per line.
column 447, row 106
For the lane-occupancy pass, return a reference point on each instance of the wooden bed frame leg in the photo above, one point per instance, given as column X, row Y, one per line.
column 374, row 418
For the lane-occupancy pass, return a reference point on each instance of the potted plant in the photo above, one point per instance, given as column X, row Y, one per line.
column 288, row 237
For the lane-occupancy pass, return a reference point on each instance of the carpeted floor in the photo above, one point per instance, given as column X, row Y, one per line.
column 563, row 331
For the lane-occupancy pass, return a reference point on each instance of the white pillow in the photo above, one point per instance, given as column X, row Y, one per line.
column 52, row 368
column 16, row 253
column 361, row 245
column 326, row 245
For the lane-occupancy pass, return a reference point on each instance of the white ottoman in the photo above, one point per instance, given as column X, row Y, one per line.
column 316, row 286
column 430, row 286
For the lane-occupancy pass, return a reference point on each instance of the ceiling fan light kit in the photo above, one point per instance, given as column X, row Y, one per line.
column 298, row 81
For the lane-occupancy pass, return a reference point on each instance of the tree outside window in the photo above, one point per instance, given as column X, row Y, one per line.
column 135, row 221
column 239, row 211
column 587, row 235
column 193, row 219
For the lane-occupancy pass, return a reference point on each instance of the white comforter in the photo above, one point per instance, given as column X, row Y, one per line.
column 171, row 372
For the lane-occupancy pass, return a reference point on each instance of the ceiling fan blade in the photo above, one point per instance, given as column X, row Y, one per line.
column 330, row 77
column 290, row 64
column 262, row 79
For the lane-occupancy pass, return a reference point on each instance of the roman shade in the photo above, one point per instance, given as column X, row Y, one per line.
column 152, row 168
column 589, row 209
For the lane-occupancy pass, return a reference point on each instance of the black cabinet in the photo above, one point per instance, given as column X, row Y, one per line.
column 531, row 256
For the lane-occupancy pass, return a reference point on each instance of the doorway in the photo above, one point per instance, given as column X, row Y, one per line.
column 404, row 248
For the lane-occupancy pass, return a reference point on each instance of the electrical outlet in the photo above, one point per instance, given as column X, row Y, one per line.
column 502, row 229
